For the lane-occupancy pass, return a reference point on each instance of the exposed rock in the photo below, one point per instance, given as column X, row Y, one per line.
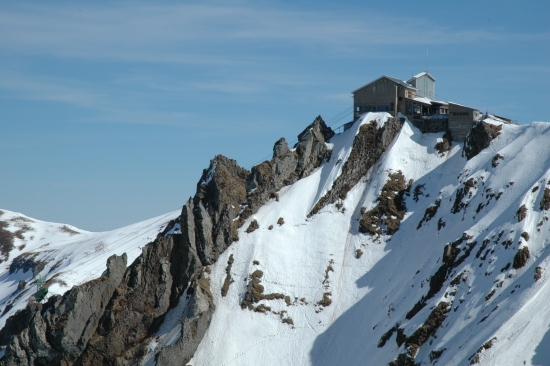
column 461, row 194
column 196, row 320
column 287, row 166
column 390, row 209
column 58, row 331
column 521, row 213
column 545, row 200
column 369, row 144
column 480, row 137
column 429, row 213
column 521, row 258
column 228, row 280
column 220, row 193
column 538, row 273
column 421, row 335
column 255, row 291
column 253, row 226
column 445, row 145
column 450, row 261
column 496, row 159
column 151, row 286
column 6, row 241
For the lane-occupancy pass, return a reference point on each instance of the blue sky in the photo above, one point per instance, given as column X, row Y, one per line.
column 109, row 111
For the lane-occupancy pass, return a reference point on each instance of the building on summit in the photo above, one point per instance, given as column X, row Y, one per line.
column 415, row 99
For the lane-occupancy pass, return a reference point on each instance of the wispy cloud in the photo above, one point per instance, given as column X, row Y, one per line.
column 48, row 89
column 197, row 33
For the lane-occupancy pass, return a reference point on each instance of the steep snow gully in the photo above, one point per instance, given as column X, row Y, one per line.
column 381, row 245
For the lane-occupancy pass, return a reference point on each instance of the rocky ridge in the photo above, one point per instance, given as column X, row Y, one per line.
column 111, row 320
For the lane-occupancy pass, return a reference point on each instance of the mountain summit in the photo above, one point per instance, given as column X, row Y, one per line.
column 381, row 245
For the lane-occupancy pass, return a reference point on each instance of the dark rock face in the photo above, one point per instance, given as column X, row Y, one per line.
column 521, row 258
column 220, row 193
column 195, row 322
column 479, row 138
column 287, row 166
column 57, row 332
column 150, row 287
column 369, row 144
column 111, row 320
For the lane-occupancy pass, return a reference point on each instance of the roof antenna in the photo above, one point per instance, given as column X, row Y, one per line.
column 427, row 60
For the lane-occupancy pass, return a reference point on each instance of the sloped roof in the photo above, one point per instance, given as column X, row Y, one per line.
column 420, row 75
column 397, row 81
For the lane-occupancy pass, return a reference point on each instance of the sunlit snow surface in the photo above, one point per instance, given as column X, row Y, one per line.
column 70, row 256
column 373, row 293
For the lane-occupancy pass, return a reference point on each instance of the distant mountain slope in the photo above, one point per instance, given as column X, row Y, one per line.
column 62, row 254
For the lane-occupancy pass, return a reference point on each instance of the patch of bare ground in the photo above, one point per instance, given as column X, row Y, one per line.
column 538, row 273
column 422, row 334
column 280, row 221
column 358, row 253
column 475, row 358
column 445, row 145
column 68, row 230
column 521, row 213
column 228, row 280
column 326, row 300
column 462, row 193
column 7, row 237
column 496, row 159
column 253, row 226
column 390, row 209
column 479, row 138
column 429, row 213
column 6, row 241
column 255, row 292
column 545, row 201
column 521, row 258
column 329, row 269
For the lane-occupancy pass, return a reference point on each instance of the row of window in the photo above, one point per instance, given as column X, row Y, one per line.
column 460, row 113
column 374, row 108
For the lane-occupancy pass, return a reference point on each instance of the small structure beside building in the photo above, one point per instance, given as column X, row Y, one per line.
column 415, row 99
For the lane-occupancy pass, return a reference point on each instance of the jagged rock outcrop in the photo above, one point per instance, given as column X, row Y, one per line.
column 150, row 287
column 220, row 193
column 369, row 144
column 57, row 332
column 480, row 137
column 111, row 320
column 287, row 166
column 196, row 320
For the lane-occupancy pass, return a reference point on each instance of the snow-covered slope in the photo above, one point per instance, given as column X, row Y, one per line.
column 62, row 255
column 429, row 258
column 343, row 290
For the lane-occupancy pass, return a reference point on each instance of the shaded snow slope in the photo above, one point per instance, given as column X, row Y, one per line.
column 63, row 255
column 336, row 292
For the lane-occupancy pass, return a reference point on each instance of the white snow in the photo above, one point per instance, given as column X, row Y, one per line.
column 369, row 295
column 71, row 255
column 373, row 293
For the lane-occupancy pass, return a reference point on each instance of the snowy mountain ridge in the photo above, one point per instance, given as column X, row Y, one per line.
column 383, row 246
